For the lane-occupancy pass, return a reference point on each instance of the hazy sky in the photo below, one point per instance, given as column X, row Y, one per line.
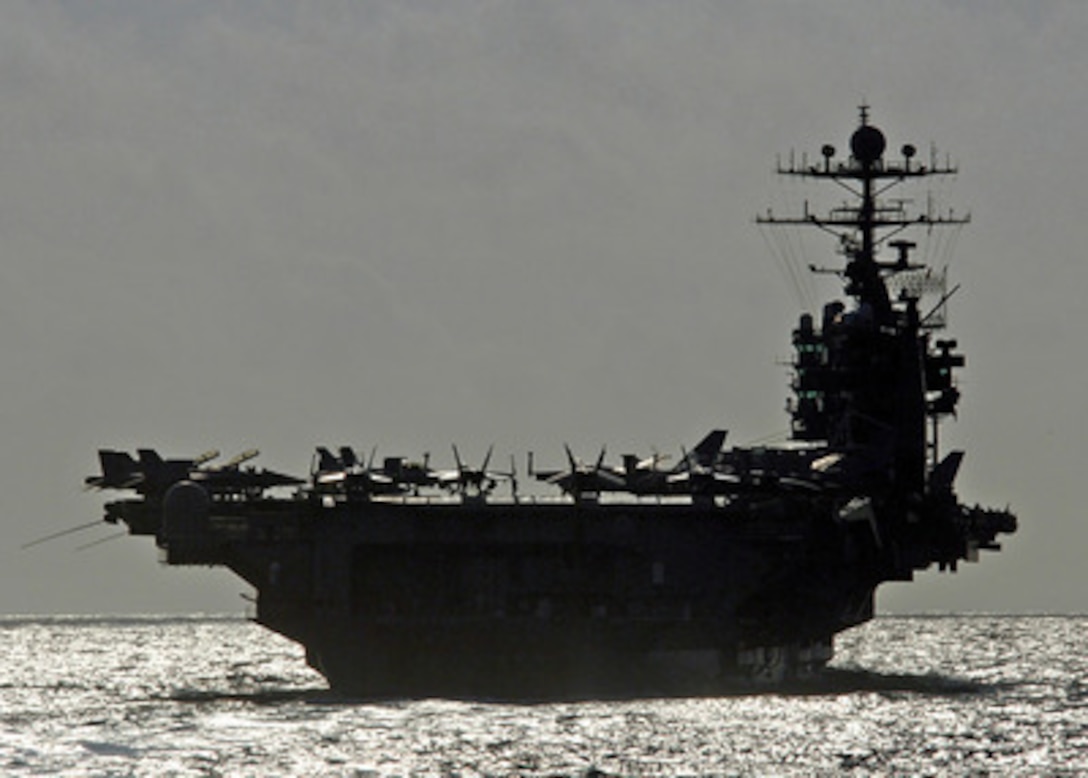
column 279, row 225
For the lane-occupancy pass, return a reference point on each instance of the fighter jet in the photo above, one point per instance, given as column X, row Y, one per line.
column 583, row 480
column 231, row 477
column 640, row 476
column 471, row 481
column 151, row 474
column 410, row 473
column 345, row 473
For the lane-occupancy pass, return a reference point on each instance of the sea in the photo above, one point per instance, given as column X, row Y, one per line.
column 207, row 696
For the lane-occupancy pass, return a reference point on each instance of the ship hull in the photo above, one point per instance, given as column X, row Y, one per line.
column 523, row 662
column 395, row 598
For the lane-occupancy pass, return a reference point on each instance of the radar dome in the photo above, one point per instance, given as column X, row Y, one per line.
column 867, row 144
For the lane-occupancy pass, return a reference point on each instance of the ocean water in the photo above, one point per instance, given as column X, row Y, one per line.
column 198, row 696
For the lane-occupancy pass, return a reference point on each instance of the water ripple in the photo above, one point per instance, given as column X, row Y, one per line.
column 918, row 696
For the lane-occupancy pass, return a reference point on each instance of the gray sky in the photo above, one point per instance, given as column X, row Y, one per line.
column 280, row 225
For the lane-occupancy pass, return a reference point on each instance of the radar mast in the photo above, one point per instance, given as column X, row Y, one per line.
column 885, row 334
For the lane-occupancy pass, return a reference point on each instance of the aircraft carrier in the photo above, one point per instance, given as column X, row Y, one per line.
column 404, row 580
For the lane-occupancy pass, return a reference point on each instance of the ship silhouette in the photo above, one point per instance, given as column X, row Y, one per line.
column 727, row 563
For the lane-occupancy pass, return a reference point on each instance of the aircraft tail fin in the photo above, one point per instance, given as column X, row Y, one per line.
column 119, row 471
column 942, row 476
column 707, row 449
column 347, row 457
column 327, row 462
column 149, row 459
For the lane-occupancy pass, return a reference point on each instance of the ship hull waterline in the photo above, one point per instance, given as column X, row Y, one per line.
column 537, row 599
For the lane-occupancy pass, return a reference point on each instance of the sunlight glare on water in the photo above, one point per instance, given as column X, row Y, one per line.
column 206, row 696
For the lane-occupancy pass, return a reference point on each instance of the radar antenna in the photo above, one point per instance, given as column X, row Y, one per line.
column 863, row 226
column 886, row 327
